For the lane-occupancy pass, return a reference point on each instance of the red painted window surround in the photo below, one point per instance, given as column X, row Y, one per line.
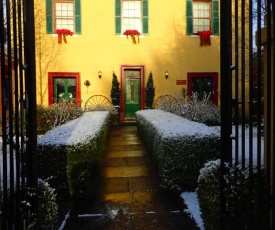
column 213, row 75
column 52, row 75
column 142, row 90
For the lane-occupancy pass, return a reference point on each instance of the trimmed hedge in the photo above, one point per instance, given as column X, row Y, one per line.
column 179, row 147
column 67, row 154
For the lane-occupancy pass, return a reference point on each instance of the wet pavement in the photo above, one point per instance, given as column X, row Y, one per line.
column 126, row 193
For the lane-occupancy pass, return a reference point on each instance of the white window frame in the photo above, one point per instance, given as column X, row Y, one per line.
column 64, row 14
column 202, row 16
column 132, row 15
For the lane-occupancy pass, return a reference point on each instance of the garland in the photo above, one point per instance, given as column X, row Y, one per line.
column 64, row 33
column 133, row 34
column 205, row 37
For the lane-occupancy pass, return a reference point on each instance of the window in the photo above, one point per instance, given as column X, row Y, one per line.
column 64, row 86
column 63, row 14
column 203, row 83
column 131, row 15
column 202, row 15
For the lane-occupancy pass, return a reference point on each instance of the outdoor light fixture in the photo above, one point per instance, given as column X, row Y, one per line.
column 99, row 74
column 166, row 74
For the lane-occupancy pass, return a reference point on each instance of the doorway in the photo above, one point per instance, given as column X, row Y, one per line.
column 132, row 88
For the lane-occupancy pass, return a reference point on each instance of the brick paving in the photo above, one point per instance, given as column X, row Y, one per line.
column 126, row 193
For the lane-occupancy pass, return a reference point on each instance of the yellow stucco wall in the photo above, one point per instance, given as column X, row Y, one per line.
column 166, row 47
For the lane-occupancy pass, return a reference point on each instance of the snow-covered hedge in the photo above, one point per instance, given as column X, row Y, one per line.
column 237, row 191
column 209, row 194
column 179, row 146
column 68, row 153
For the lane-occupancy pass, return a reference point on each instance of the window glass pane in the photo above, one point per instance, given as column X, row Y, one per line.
column 58, row 6
column 137, row 5
column 70, row 14
column 70, row 7
column 131, row 5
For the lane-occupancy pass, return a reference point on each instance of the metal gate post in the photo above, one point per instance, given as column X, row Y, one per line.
column 226, row 95
column 30, row 81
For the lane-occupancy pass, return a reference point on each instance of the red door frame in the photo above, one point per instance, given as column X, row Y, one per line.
column 52, row 75
column 142, row 91
column 201, row 75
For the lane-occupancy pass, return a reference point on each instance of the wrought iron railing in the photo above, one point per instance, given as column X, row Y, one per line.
column 18, row 177
column 247, row 91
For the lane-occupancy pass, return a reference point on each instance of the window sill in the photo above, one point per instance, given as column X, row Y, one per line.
column 55, row 35
column 124, row 36
column 197, row 36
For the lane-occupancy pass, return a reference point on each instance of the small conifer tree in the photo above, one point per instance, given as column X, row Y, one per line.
column 150, row 92
column 115, row 91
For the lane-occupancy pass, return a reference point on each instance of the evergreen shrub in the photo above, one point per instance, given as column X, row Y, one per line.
column 150, row 92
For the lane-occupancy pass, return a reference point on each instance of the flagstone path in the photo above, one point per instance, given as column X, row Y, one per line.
column 127, row 194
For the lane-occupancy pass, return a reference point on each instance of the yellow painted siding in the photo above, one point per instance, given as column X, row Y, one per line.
column 166, row 47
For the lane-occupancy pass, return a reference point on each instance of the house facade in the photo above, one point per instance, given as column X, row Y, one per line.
column 80, row 44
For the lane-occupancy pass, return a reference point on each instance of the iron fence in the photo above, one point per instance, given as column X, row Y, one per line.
column 18, row 177
column 247, row 114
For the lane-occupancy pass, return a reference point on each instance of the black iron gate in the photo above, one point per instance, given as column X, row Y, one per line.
column 247, row 113
column 18, row 177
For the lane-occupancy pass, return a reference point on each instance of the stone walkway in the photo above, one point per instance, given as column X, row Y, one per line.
column 127, row 194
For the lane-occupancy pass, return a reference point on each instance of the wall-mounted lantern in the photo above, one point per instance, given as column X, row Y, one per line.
column 99, row 74
column 166, row 74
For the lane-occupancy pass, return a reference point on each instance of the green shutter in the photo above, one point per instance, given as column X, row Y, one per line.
column 118, row 16
column 189, row 18
column 215, row 17
column 145, row 21
column 77, row 17
column 49, row 17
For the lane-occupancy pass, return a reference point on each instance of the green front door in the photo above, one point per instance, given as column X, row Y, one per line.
column 131, row 96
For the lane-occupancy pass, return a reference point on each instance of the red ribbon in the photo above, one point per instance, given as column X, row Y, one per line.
column 133, row 34
column 63, row 33
column 205, row 37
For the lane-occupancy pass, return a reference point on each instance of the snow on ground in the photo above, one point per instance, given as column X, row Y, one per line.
column 193, row 208
column 245, row 144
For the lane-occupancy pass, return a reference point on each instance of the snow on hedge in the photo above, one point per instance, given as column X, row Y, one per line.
column 169, row 125
column 75, row 131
